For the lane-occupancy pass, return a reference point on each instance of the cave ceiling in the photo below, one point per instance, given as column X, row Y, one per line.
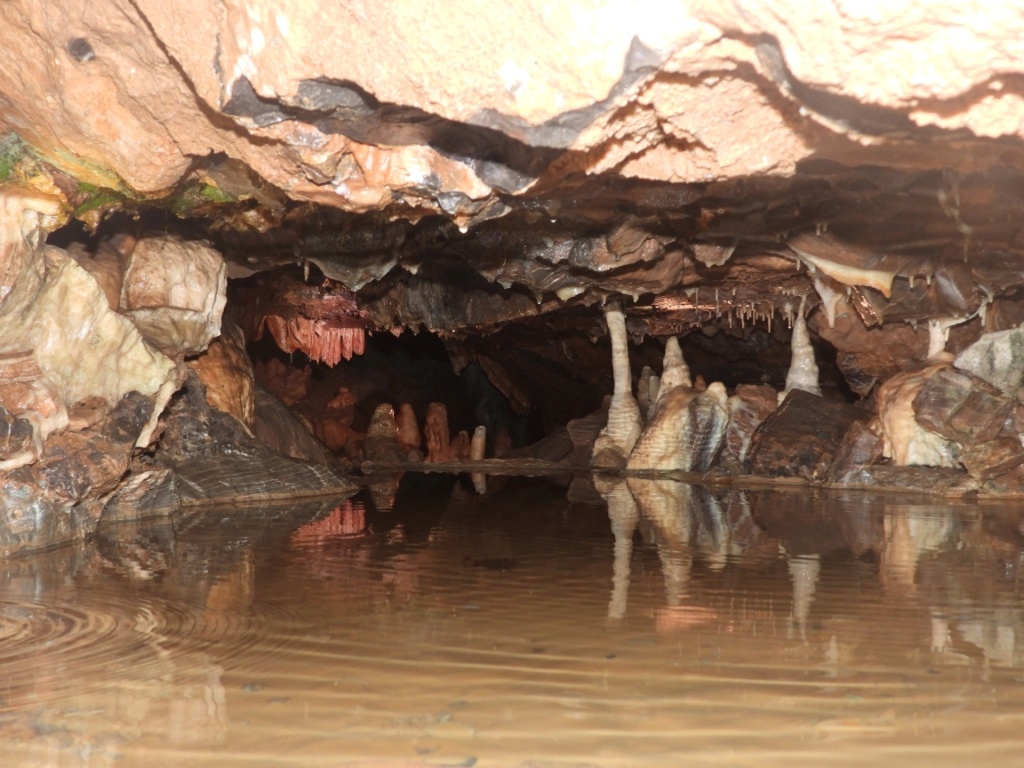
column 713, row 163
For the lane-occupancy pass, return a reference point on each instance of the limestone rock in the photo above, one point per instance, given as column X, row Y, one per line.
column 905, row 441
column 277, row 426
column 175, row 292
column 748, row 407
column 686, row 433
column 288, row 383
column 962, row 408
column 227, row 374
column 998, row 358
column 801, row 438
column 860, row 448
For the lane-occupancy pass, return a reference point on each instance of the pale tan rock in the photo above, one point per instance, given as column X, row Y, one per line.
column 175, row 292
column 136, row 91
column 106, row 265
column 226, row 371
column 904, row 440
column 56, row 310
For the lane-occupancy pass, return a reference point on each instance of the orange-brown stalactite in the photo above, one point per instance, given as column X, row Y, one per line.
column 323, row 321
column 323, row 341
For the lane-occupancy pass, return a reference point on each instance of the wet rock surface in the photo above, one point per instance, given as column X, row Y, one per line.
column 801, row 438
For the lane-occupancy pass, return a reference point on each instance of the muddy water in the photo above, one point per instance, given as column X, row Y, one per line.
column 662, row 625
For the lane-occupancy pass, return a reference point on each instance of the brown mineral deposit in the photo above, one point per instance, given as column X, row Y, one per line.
column 435, row 430
column 381, row 442
column 409, row 438
column 459, row 449
column 226, row 371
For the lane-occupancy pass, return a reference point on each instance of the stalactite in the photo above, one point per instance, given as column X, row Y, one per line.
column 803, row 370
column 320, row 340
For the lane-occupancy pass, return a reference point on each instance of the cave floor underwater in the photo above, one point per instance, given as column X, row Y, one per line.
column 653, row 623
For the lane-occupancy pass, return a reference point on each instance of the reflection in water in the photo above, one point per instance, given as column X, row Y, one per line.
column 459, row 629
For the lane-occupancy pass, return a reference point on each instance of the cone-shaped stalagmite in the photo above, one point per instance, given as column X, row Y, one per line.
column 623, row 428
column 687, row 427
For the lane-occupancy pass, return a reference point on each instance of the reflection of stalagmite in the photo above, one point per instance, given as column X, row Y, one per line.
column 909, row 531
column 803, row 571
column 623, row 514
column 623, row 428
column 904, row 440
column 803, row 370
column 667, row 506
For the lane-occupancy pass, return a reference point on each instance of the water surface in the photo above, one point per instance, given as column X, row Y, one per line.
column 663, row 624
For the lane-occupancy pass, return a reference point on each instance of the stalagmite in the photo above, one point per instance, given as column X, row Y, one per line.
column 623, row 428
column 674, row 372
column 803, row 370
column 938, row 334
column 382, row 436
column 653, row 391
column 477, row 452
column 643, row 392
column 409, row 438
column 436, row 434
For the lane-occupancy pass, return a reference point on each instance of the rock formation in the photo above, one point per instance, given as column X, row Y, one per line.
column 622, row 429
column 731, row 181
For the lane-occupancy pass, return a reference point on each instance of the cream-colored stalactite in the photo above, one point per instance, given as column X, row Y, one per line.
column 803, row 370
column 620, row 434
